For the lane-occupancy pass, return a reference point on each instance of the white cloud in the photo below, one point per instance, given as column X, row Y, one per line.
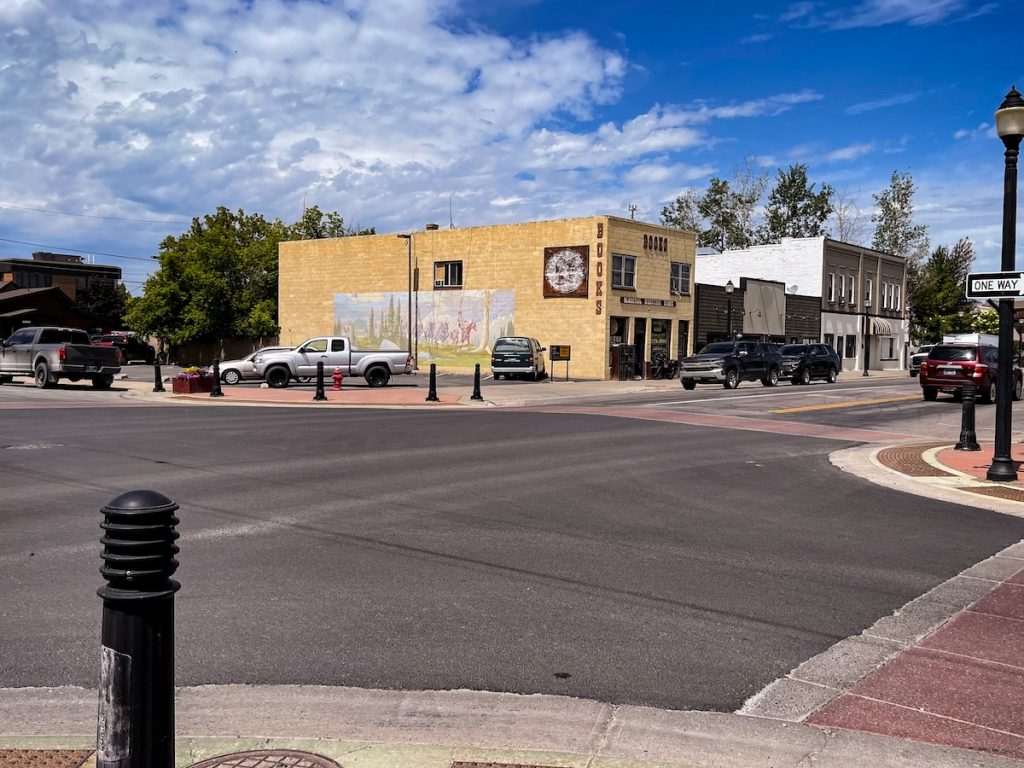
column 869, row 106
column 851, row 152
column 984, row 129
column 877, row 13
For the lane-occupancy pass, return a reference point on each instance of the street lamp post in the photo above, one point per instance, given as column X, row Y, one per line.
column 729, row 288
column 867, row 338
column 408, row 306
column 1010, row 127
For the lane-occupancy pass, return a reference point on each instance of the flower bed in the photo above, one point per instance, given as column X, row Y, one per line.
column 192, row 380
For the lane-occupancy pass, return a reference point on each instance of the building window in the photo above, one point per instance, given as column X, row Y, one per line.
column 868, row 284
column 892, row 349
column 623, row 271
column 679, row 282
column 851, row 346
column 447, row 274
column 831, row 288
column 896, row 298
column 853, row 292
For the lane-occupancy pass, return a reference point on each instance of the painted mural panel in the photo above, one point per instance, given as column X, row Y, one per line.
column 454, row 329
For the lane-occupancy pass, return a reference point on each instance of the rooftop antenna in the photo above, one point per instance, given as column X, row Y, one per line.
column 632, row 210
column 451, row 223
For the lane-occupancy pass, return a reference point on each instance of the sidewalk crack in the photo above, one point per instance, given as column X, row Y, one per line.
column 603, row 728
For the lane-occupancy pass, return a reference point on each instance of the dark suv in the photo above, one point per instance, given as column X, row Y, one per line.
column 803, row 362
column 131, row 347
column 949, row 366
column 730, row 362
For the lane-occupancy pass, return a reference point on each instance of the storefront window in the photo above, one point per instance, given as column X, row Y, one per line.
column 661, row 331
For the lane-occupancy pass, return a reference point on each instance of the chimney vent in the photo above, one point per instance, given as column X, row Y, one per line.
column 432, row 227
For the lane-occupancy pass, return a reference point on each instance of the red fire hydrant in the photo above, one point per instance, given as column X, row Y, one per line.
column 337, row 379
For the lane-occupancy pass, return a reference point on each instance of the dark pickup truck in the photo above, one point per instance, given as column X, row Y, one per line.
column 730, row 362
column 49, row 354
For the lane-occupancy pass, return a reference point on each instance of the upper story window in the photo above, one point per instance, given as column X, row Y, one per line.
column 842, row 289
column 896, row 298
column 447, row 274
column 868, row 284
column 679, row 280
column 623, row 271
column 853, row 290
column 831, row 287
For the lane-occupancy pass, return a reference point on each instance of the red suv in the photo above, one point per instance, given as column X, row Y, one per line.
column 949, row 366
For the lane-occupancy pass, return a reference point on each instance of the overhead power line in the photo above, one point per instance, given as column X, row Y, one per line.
column 89, row 216
column 59, row 248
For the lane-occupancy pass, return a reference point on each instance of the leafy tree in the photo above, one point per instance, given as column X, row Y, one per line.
column 981, row 321
column 105, row 300
column 938, row 294
column 218, row 280
column 723, row 215
column 315, row 225
column 794, row 208
column 895, row 231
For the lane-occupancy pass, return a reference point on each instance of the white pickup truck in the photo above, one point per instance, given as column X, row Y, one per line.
column 376, row 366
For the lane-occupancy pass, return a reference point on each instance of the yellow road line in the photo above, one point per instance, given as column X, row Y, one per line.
column 847, row 404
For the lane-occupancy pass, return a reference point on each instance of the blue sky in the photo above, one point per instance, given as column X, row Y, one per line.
column 124, row 120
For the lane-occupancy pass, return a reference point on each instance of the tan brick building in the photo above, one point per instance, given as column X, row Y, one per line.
column 593, row 283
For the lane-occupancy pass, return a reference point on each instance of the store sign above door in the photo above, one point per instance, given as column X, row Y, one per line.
column 648, row 302
column 995, row 285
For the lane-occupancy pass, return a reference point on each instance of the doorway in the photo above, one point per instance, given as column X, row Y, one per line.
column 640, row 343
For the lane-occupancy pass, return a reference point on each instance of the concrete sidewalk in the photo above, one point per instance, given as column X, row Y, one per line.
column 938, row 683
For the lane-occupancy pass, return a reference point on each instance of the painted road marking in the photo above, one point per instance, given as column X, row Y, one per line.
column 775, row 393
column 847, row 404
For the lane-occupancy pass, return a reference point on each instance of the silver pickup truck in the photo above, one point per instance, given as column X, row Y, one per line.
column 376, row 366
column 49, row 354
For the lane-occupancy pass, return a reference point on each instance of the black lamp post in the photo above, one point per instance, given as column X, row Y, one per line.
column 408, row 307
column 1010, row 127
column 729, row 288
column 867, row 338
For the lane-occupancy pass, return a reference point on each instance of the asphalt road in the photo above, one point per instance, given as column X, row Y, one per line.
column 626, row 561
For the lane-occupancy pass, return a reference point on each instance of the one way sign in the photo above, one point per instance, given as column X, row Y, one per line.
column 995, row 285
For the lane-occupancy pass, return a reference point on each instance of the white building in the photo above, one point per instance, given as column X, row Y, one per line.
column 863, row 292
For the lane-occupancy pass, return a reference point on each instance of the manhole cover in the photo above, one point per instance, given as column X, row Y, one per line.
column 268, row 758
column 44, row 758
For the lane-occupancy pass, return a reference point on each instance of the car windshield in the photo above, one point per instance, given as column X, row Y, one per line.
column 793, row 349
column 512, row 345
column 966, row 354
column 721, row 348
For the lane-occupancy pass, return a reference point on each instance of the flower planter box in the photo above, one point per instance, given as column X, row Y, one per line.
column 188, row 386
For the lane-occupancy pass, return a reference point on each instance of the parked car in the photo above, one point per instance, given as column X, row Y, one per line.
column 803, row 362
column 49, row 354
column 377, row 366
column 130, row 346
column 730, row 362
column 234, row 371
column 917, row 359
column 517, row 356
column 949, row 366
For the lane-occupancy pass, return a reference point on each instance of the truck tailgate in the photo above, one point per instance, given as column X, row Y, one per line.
column 86, row 356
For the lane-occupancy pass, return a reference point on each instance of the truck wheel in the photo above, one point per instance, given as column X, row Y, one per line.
column 43, row 375
column 805, row 376
column 278, row 377
column 930, row 393
column 378, row 376
column 832, row 375
column 102, row 382
column 689, row 384
column 1018, row 389
column 732, row 379
column 772, row 378
column 231, row 376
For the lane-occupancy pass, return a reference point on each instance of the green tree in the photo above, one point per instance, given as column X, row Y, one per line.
column 105, row 300
column 895, row 231
column 981, row 321
column 218, row 279
column 682, row 212
column 794, row 209
column 315, row 225
column 937, row 298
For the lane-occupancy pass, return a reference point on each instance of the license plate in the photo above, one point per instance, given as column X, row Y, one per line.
column 950, row 371
column 92, row 368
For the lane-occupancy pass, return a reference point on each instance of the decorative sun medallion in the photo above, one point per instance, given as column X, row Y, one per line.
column 565, row 271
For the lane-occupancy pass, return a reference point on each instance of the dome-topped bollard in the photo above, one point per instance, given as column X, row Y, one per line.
column 135, row 724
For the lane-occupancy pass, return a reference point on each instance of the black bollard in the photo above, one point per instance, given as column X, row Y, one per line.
column 476, row 384
column 432, row 393
column 968, row 438
column 216, row 391
column 158, row 382
column 320, row 395
column 135, row 724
